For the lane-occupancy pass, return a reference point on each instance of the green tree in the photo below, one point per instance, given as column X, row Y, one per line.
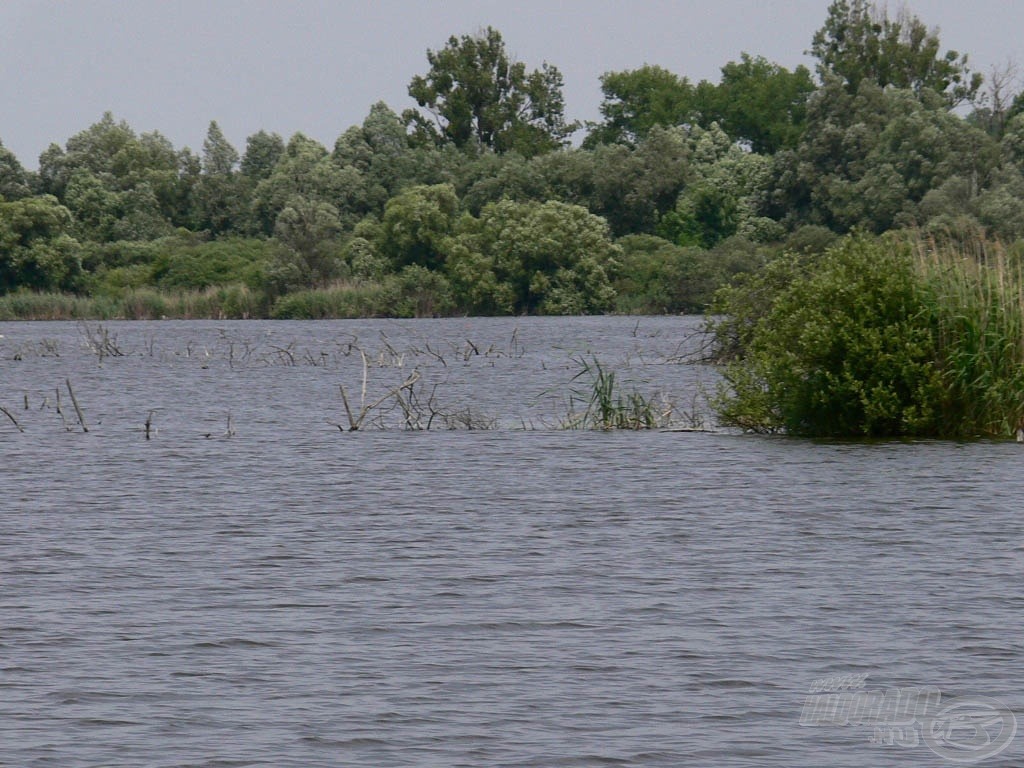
column 221, row 195
column 633, row 187
column 307, row 170
column 309, row 234
column 659, row 277
column 727, row 191
column 379, row 150
column 859, row 42
column 763, row 103
column 219, row 157
column 875, row 337
column 13, row 179
column 36, row 249
column 868, row 159
column 416, row 224
column 123, row 163
column 836, row 344
column 262, row 152
column 635, row 101
column 478, row 97
column 490, row 178
column 547, row 258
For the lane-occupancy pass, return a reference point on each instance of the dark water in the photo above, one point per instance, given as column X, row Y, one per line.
column 293, row 595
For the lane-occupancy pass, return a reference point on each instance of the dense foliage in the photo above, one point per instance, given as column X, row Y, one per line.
column 876, row 337
column 474, row 201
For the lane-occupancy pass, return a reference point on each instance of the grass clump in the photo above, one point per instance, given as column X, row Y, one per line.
column 975, row 303
column 607, row 407
column 875, row 337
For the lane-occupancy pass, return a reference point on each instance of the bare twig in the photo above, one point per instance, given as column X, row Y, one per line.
column 78, row 410
column 10, row 416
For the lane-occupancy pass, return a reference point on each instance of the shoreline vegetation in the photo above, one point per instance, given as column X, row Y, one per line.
column 858, row 230
column 485, row 198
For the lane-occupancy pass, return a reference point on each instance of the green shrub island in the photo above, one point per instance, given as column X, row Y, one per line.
column 893, row 336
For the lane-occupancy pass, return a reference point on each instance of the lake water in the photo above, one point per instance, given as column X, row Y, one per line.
column 252, row 586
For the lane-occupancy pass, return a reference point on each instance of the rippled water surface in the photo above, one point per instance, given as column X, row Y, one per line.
column 266, row 590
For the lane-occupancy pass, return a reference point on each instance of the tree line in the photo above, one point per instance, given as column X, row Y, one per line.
column 475, row 201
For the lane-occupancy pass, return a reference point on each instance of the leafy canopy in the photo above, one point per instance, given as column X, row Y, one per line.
column 478, row 97
column 859, row 41
column 635, row 101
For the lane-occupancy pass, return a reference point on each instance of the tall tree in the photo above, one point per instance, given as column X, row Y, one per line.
column 262, row 151
column 763, row 103
column 637, row 100
column 221, row 196
column 219, row 157
column 308, row 232
column 859, row 41
column 477, row 96
column 13, row 179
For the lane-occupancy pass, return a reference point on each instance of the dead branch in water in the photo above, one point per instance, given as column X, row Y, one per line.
column 149, row 425
column 356, row 421
column 78, row 410
column 10, row 416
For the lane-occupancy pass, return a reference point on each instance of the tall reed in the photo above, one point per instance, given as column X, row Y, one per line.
column 974, row 294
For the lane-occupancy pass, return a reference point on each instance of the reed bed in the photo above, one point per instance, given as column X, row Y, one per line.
column 26, row 305
column 974, row 295
column 231, row 302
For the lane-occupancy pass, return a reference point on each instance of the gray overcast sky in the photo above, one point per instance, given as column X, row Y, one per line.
column 316, row 66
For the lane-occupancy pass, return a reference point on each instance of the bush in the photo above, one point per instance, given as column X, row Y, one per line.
column 185, row 265
column 874, row 338
column 657, row 277
column 413, row 292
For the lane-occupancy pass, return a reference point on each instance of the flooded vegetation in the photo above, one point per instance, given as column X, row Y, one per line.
column 221, row 570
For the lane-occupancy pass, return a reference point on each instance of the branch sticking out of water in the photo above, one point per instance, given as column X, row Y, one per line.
column 78, row 410
column 10, row 416
column 100, row 341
